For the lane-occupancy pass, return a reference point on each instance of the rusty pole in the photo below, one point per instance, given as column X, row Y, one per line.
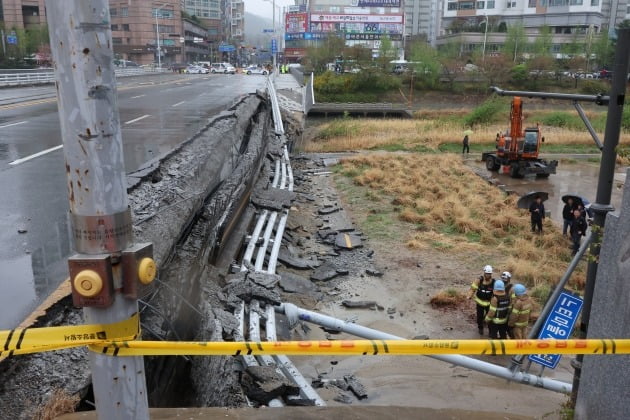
column 81, row 44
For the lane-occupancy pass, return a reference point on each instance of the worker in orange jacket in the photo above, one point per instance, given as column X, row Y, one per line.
column 521, row 312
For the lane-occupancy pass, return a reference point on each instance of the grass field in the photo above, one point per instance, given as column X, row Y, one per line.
column 447, row 207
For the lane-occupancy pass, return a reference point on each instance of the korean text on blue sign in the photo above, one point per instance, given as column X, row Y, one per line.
column 558, row 325
column 274, row 46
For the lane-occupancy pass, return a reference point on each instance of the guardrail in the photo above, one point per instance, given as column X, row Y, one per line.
column 275, row 107
column 44, row 77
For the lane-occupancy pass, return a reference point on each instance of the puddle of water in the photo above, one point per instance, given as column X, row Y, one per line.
column 571, row 178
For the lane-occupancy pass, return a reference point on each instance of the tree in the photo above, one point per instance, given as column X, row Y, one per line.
column 496, row 69
column 515, row 42
column 386, row 53
column 425, row 64
column 319, row 56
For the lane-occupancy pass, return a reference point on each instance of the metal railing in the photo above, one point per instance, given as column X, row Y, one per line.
column 44, row 77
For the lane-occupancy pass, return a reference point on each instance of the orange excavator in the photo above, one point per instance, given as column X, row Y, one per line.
column 518, row 150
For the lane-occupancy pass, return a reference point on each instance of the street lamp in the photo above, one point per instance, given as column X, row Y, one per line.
column 157, row 35
column 485, row 38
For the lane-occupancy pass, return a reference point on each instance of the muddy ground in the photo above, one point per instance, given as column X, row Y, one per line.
column 401, row 282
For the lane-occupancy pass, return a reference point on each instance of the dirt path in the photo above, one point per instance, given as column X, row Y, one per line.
column 409, row 280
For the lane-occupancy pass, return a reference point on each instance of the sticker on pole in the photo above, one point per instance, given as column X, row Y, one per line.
column 558, row 325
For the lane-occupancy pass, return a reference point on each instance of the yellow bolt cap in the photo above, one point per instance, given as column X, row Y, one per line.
column 146, row 270
column 88, row 283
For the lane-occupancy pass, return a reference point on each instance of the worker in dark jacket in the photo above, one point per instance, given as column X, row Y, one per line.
column 578, row 229
column 481, row 289
column 567, row 215
column 537, row 212
column 465, row 146
column 499, row 311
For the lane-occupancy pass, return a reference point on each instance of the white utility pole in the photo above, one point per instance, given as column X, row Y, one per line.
column 485, row 38
column 105, row 271
column 157, row 37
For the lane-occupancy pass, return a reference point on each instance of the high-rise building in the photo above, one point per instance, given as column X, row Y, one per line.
column 209, row 14
column 233, row 20
column 422, row 19
column 19, row 14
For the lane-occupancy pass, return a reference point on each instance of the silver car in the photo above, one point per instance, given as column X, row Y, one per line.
column 256, row 70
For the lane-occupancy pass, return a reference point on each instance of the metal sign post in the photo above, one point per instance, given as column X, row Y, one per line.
column 107, row 266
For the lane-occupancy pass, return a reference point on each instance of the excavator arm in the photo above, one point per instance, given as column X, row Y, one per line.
column 516, row 121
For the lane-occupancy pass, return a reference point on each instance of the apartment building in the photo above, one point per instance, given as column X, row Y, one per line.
column 22, row 14
column 233, row 20
column 569, row 20
column 209, row 14
column 422, row 19
column 359, row 22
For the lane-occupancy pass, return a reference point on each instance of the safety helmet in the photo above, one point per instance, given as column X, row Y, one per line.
column 499, row 286
column 487, row 269
column 519, row 290
column 506, row 275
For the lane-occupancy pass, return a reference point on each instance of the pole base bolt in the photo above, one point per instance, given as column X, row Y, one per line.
column 88, row 283
column 147, row 270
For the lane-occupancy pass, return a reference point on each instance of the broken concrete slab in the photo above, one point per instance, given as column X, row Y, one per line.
column 343, row 398
column 273, row 199
column 356, row 387
column 228, row 321
column 373, row 272
column 293, row 283
column 292, row 261
column 339, row 222
column 347, row 241
column 328, row 210
column 359, row 304
column 246, row 291
column 327, row 272
column 264, row 383
column 266, row 280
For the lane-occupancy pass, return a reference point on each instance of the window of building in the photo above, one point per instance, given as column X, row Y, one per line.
column 114, row 27
column 214, row 15
column 481, row 4
column 532, row 3
column 117, row 41
column 113, row 11
column 125, row 27
column 124, row 11
column 558, row 3
column 452, row 6
column 596, row 3
column 466, row 5
column 490, row 4
column 162, row 13
column 214, row 4
column 511, row 4
column 575, row 2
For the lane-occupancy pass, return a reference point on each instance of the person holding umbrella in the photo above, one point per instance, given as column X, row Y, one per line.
column 537, row 213
column 567, row 214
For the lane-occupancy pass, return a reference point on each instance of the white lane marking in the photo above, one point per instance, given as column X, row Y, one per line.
column 43, row 152
column 11, row 125
column 178, row 104
column 139, row 96
column 137, row 119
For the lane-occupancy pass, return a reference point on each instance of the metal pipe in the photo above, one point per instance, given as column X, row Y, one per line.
column 283, row 181
column 81, row 46
column 249, row 251
column 286, row 365
column 254, row 335
column 289, row 169
column 588, row 125
column 276, row 175
column 533, row 333
column 294, row 314
column 312, row 88
column 602, row 205
column 262, row 250
column 275, row 249
column 599, row 99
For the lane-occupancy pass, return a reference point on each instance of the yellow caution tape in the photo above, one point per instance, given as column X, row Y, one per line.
column 363, row 347
column 34, row 340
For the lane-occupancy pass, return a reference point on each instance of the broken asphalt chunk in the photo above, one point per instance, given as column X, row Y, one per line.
column 326, row 272
column 293, row 261
column 273, row 198
column 293, row 283
column 347, row 241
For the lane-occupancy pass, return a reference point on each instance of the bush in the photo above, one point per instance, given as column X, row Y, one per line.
column 625, row 119
column 559, row 119
column 359, row 87
column 593, row 87
column 485, row 113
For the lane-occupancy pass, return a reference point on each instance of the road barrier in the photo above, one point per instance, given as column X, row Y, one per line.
column 38, row 78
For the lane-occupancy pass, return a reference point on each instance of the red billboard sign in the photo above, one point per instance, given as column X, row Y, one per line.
column 296, row 23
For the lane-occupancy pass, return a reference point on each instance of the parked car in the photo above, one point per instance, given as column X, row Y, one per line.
column 256, row 70
column 125, row 63
column 222, row 68
column 196, row 70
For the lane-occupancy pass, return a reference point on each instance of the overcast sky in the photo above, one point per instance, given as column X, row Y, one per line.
column 263, row 8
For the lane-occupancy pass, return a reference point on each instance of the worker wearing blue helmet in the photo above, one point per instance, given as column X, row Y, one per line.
column 498, row 312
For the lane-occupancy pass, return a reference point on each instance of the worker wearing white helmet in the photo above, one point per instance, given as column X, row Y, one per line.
column 521, row 311
column 481, row 289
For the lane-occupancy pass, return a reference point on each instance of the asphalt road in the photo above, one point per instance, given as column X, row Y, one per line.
column 157, row 113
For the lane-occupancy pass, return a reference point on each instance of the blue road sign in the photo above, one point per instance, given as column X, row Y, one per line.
column 11, row 39
column 558, row 325
column 274, row 45
column 268, row 31
column 227, row 48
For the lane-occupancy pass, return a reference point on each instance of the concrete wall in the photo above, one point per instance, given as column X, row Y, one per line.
column 605, row 384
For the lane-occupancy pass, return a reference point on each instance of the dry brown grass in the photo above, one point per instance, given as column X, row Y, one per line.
column 452, row 209
column 420, row 133
column 449, row 298
column 60, row 402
